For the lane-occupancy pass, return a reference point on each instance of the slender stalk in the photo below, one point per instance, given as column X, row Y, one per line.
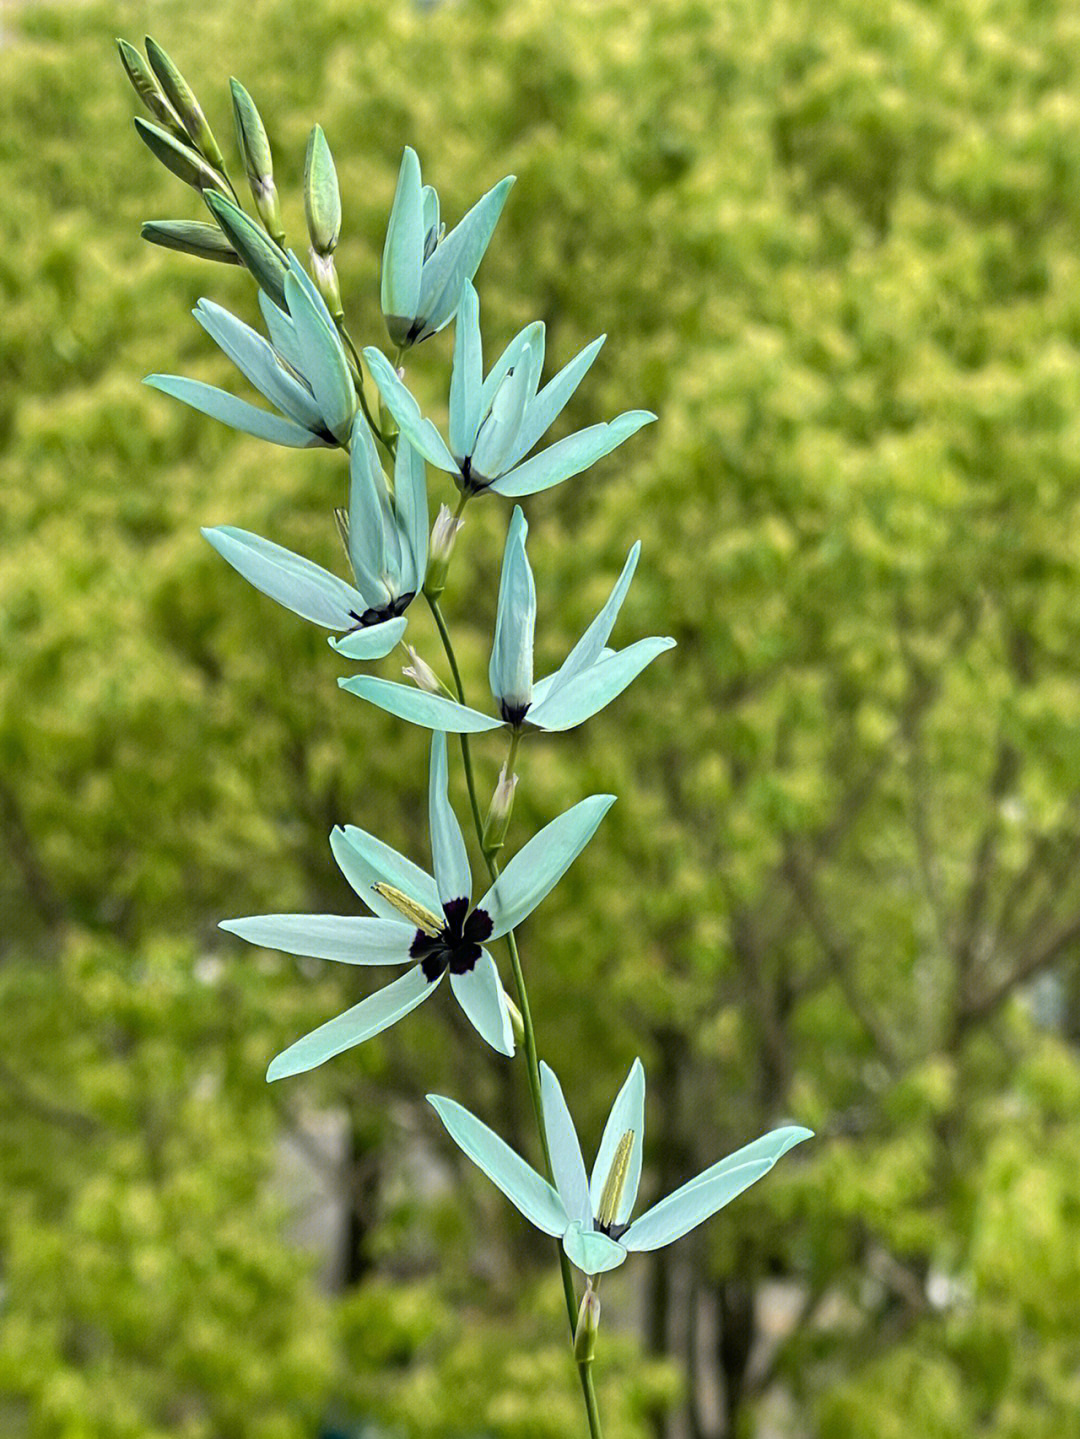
column 532, row 1062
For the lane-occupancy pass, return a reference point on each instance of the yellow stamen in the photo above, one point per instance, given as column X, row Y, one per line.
column 415, row 913
column 615, row 1182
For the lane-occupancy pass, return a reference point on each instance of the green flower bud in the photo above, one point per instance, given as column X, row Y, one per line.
column 148, row 89
column 255, row 248
column 191, row 237
column 322, row 200
column 185, row 163
column 258, row 162
column 423, row 676
column 324, row 272
column 499, row 811
column 182, row 98
column 588, row 1326
column 443, row 534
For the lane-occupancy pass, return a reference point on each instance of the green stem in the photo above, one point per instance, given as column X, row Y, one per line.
column 358, row 380
column 532, row 1063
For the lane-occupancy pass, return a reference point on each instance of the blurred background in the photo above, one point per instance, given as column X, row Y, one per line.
column 835, row 248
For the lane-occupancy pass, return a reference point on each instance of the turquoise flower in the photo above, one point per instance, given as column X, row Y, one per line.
column 386, row 540
column 589, row 678
column 591, row 1214
column 419, row 918
column 495, row 423
column 302, row 370
column 423, row 269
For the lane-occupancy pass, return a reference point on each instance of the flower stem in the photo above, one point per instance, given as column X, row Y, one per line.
column 532, row 1063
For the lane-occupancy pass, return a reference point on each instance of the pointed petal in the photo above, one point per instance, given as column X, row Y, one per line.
column 532, row 337
column 567, row 705
column 237, row 414
column 254, row 357
column 298, row 584
column 570, row 456
column 282, row 333
column 448, row 853
column 421, row 433
column 467, row 377
column 511, row 666
column 549, row 404
column 539, row 865
column 326, row 368
column 368, row 514
column 411, row 504
column 458, row 258
column 521, row 1184
column 419, row 707
column 344, row 938
column 567, row 1165
column 365, row 861
column 592, row 1251
column 701, row 1197
column 627, row 1113
column 481, row 996
column 371, row 642
column 254, row 246
column 403, row 252
column 370, row 1017
column 499, row 430
column 590, row 647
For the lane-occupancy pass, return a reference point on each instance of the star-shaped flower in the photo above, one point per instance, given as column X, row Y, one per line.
column 496, row 422
column 589, row 678
column 386, row 539
column 429, row 920
column 591, row 1214
column 423, row 269
column 302, row 370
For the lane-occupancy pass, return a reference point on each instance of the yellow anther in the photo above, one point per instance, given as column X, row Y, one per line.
column 431, row 924
column 615, row 1182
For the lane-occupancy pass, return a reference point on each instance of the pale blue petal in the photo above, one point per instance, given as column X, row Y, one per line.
column 467, row 376
column 591, row 646
column 421, row 433
column 255, row 358
column 690, row 1206
column 481, row 996
column 403, row 252
column 419, row 707
column 368, row 507
column 567, row 1165
column 371, row 642
column 531, row 336
column 282, row 333
column 627, row 1115
column 570, row 456
column 521, row 1184
column 411, row 503
column 344, row 938
column 549, row 404
column 457, row 258
column 510, row 669
column 326, row 368
column 539, row 865
column 431, row 219
column 298, row 584
column 567, row 705
column 450, row 858
column 237, row 414
column 591, row 1251
column 771, row 1146
column 370, row 1017
column 500, row 426
column 365, row 861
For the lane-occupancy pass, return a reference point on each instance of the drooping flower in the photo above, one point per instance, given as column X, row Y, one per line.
column 496, row 422
column 423, row 268
column 386, row 538
column 590, row 1214
column 589, row 678
column 302, row 370
column 431, row 921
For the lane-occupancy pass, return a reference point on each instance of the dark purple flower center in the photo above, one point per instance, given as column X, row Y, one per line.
column 388, row 611
column 456, row 947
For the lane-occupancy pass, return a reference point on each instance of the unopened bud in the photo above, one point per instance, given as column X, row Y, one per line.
column 443, row 535
column 517, row 1024
column 499, row 811
column 148, row 89
column 588, row 1326
column 258, row 162
column 324, row 273
column 322, row 200
column 422, row 675
column 182, row 98
column 191, row 237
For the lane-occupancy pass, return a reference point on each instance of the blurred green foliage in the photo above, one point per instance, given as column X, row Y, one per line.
column 835, row 250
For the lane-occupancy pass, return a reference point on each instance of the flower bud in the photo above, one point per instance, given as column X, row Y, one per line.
column 422, row 675
column 254, row 246
column 148, row 89
column 182, row 98
column 443, row 535
column 182, row 159
column 258, row 162
column 499, row 811
column 324, row 273
column 517, row 1024
column 588, row 1325
column 322, row 201
column 191, row 237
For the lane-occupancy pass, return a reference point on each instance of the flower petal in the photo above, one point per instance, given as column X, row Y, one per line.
column 549, row 404
column 419, row 707
column 370, row 1017
column 627, row 1114
column 590, row 647
column 449, row 855
column 235, row 413
column 344, row 938
column 519, row 1181
column 301, row 586
column 567, row 705
column 421, row 433
column 366, row 861
column 467, row 376
column 481, row 996
column 532, row 337
column 372, row 642
column 570, row 456
column 326, row 368
column 282, row 333
column 369, row 513
column 411, row 505
column 403, row 252
column 592, row 1251
column 539, row 865
column 255, row 358
column 511, row 667
column 457, row 258
column 499, row 430
column 567, row 1165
